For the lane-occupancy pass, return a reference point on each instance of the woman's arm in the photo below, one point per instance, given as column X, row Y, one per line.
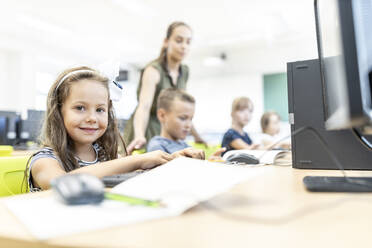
column 150, row 79
column 45, row 169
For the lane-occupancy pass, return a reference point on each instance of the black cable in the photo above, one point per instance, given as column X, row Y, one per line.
column 328, row 150
column 300, row 212
column 338, row 164
column 322, row 141
column 283, row 219
column 280, row 140
column 363, row 139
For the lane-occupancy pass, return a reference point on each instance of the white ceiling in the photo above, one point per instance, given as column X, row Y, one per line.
column 133, row 30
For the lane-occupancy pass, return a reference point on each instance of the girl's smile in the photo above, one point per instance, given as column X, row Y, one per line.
column 89, row 130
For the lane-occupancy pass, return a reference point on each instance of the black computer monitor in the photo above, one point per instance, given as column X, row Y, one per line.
column 345, row 55
column 3, row 130
column 344, row 39
column 12, row 126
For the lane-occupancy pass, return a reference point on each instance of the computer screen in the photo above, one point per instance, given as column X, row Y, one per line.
column 345, row 52
column 11, row 128
column 3, row 129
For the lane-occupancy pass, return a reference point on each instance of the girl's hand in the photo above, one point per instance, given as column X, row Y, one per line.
column 153, row 159
column 190, row 152
column 136, row 144
column 255, row 146
column 217, row 155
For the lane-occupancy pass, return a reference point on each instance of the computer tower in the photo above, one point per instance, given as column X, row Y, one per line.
column 306, row 108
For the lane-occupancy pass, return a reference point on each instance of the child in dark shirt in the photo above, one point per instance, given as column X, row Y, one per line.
column 235, row 138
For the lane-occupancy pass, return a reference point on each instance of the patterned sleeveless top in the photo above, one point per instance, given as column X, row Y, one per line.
column 48, row 152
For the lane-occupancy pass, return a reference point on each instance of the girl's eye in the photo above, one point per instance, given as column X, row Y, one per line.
column 101, row 110
column 80, row 108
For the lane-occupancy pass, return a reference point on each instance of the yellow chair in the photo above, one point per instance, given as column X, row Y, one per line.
column 6, row 151
column 208, row 150
column 11, row 175
column 139, row 151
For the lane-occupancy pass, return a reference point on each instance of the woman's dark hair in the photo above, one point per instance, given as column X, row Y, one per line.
column 171, row 28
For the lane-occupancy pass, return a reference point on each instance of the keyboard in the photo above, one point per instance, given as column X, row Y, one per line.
column 111, row 181
column 338, row 184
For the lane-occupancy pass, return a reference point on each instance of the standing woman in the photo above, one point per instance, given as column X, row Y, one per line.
column 164, row 72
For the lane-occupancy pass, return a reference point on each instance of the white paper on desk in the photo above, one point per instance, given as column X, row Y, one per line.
column 47, row 217
column 184, row 182
column 180, row 184
column 268, row 156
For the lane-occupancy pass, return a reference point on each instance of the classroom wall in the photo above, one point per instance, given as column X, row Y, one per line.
column 128, row 102
column 241, row 74
column 276, row 94
column 17, row 81
column 21, row 60
column 25, row 79
column 214, row 96
column 213, row 87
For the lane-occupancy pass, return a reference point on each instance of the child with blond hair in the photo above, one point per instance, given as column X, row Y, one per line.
column 235, row 137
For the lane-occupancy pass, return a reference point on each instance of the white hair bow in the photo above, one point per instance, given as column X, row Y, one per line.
column 111, row 70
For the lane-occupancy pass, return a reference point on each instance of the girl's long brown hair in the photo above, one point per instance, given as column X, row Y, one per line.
column 54, row 134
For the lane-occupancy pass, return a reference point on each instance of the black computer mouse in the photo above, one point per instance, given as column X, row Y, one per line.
column 242, row 158
column 76, row 189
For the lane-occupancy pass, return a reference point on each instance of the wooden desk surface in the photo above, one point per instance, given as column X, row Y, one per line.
column 271, row 210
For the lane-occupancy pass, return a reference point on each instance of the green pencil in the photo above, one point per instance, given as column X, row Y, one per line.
column 133, row 200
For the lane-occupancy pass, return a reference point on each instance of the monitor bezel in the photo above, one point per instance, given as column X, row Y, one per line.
column 353, row 113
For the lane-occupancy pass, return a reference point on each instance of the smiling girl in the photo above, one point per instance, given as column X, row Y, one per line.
column 80, row 133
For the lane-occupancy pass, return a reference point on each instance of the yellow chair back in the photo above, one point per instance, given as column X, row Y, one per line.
column 6, row 151
column 208, row 150
column 11, row 175
column 139, row 151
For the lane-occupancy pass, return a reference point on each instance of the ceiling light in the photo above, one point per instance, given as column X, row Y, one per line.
column 36, row 23
column 215, row 61
column 136, row 7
